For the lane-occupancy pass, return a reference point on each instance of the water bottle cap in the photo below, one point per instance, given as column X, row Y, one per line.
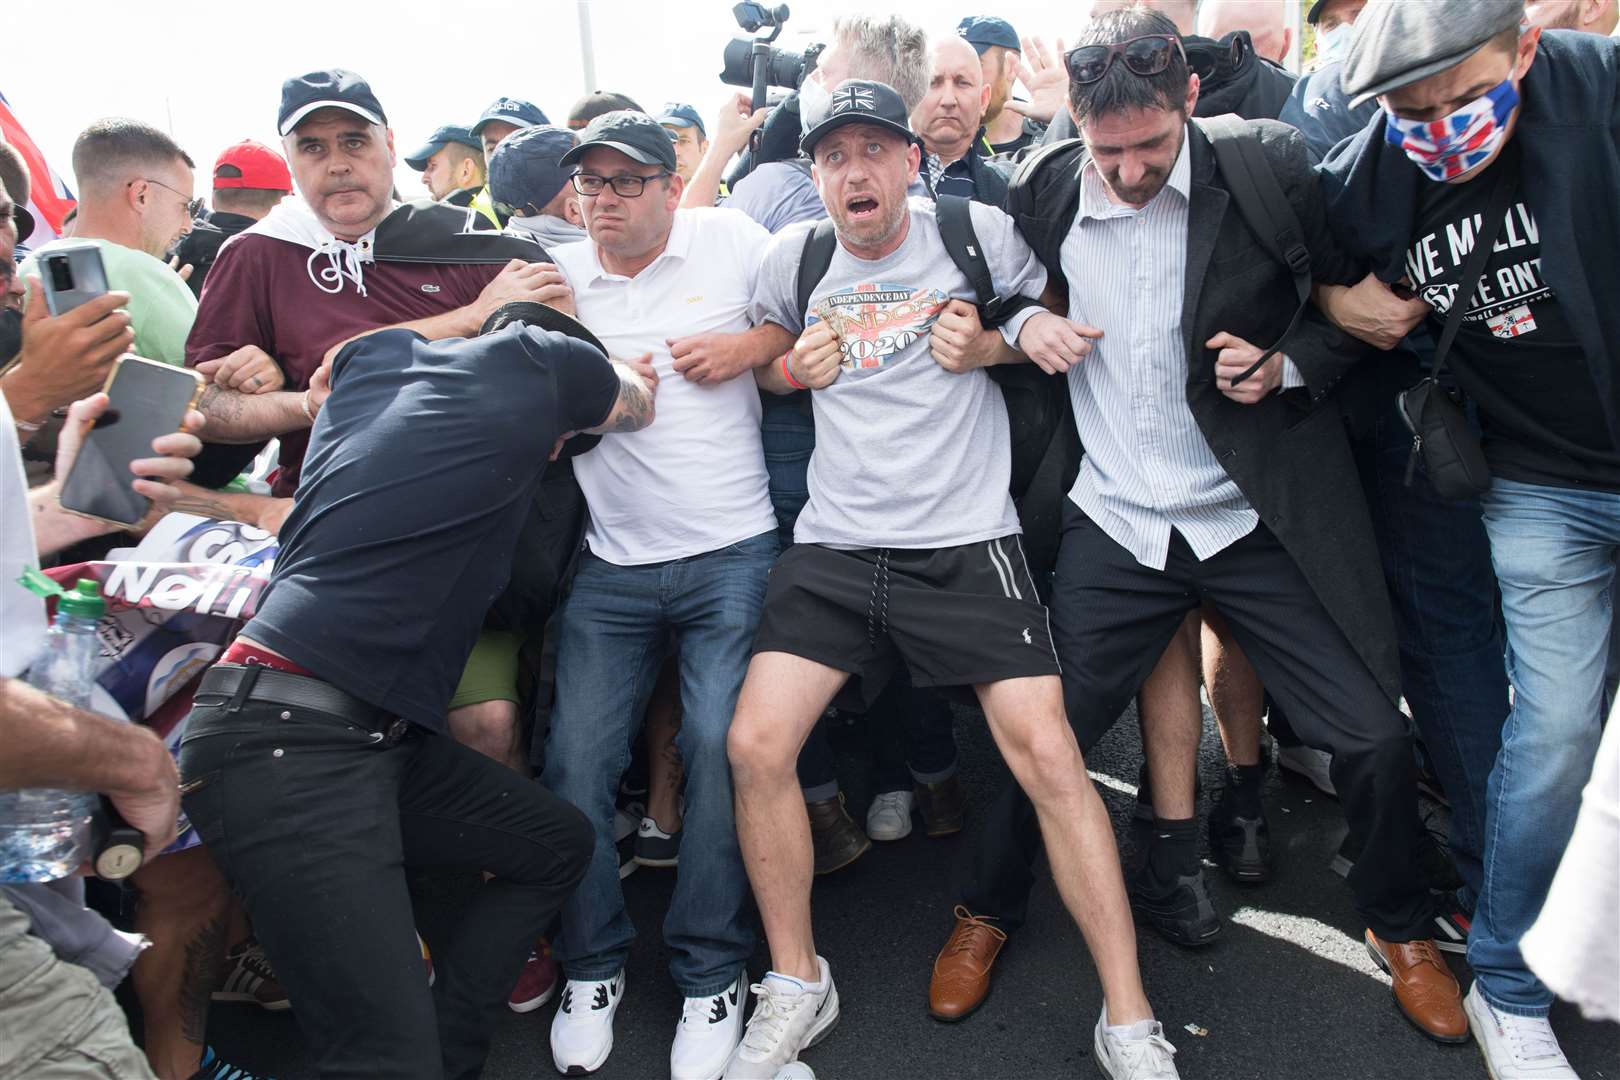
column 83, row 599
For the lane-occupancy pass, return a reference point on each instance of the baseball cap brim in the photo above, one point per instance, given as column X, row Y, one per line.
column 419, row 160
column 293, row 118
column 838, row 120
column 499, row 118
column 23, row 220
column 633, row 153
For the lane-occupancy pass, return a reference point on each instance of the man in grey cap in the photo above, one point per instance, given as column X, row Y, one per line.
column 1478, row 116
column 530, row 186
column 452, row 165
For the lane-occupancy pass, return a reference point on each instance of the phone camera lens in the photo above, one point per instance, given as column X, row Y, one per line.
column 61, row 274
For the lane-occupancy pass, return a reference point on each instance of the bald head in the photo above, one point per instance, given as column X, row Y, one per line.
column 1586, row 16
column 1265, row 20
column 1180, row 12
column 949, row 115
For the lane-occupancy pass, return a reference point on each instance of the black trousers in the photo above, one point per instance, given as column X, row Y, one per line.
column 1111, row 621
column 313, row 820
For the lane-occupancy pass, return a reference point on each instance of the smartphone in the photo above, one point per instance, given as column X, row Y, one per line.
column 71, row 274
column 148, row 399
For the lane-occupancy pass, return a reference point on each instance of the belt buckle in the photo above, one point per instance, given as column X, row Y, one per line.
column 395, row 732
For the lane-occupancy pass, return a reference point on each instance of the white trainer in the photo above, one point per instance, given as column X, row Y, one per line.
column 889, row 817
column 1144, row 1054
column 1515, row 1047
column 789, row 1018
column 582, row 1030
column 1310, row 763
column 709, row 1030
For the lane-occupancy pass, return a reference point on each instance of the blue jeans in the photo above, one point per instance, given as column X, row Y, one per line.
column 1554, row 551
column 788, row 435
column 613, row 628
column 1437, row 564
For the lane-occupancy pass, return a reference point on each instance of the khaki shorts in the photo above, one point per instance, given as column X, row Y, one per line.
column 56, row 1020
column 491, row 673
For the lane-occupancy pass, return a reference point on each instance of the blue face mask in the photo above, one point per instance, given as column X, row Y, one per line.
column 1331, row 45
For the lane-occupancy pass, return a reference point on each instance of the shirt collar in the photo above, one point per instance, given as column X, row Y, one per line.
column 1094, row 201
column 676, row 247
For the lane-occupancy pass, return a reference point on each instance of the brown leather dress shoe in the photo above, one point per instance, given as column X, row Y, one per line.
column 941, row 806
column 837, row 840
column 961, row 979
column 1425, row 990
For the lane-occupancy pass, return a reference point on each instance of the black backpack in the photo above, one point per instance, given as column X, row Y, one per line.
column 1033, row 410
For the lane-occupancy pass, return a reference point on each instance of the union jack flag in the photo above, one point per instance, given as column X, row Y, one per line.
column 1455, row 149
column 50, row 199
column 854, row 97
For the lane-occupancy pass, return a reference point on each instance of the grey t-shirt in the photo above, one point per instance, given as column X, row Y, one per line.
column 907, row 454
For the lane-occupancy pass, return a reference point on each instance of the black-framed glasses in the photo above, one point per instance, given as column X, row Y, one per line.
column 1146, row 55
column 194, row 207
column 625, row 186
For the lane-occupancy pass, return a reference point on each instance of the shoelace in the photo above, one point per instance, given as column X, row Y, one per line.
column 343, row 261
column 769, row 1022
column 968, row 938
column 1146, row 1057
column 1531, row 1036
column 254, row 960
column 890, row 800
column 1425, row 952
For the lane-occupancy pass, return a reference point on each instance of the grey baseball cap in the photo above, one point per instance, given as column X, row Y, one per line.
column 527, row 169
column 1398, row 42
column 634, row 134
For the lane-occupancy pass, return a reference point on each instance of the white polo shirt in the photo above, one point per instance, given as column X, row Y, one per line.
column 694, row 480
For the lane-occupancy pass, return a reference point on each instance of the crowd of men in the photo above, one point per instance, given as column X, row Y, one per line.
column 1153, row 375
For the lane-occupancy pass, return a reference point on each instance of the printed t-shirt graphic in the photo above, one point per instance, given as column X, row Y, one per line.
column 877, row 322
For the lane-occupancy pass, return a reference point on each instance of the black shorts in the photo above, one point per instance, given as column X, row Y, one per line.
column 956, row 616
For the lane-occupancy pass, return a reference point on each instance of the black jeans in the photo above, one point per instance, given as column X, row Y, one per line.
column 313, row 820
column 1111, row 620
column 911, row 732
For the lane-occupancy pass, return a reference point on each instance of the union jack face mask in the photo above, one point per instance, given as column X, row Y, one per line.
column 1446, row 148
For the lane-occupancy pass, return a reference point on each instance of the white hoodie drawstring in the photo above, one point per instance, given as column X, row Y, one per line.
column 344, row 260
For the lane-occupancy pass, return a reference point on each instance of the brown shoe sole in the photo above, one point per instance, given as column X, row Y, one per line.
column 944, row 828
column 1383, row 965
column 822, row 871
column 957, row 1019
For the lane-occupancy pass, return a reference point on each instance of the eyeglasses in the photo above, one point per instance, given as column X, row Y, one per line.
column 1146, row 55
column 194, row 207
column 628, row 186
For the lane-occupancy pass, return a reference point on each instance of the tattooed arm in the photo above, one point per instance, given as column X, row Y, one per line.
column 235, row 417
column 638, row 384
column 262, row 511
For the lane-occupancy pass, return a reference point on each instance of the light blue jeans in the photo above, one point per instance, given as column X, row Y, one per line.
column 613, row 631
column 1554, row 552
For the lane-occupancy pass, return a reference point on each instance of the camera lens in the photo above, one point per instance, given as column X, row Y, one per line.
column 61, row 273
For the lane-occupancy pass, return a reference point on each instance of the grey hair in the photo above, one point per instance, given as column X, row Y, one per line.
column 890, row 50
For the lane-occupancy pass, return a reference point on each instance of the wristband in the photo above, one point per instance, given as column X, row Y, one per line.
column 787, row 373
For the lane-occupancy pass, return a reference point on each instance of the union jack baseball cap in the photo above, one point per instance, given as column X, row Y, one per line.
column 861, row 101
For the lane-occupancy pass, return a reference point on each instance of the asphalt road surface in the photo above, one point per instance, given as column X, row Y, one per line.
column 1286, row 992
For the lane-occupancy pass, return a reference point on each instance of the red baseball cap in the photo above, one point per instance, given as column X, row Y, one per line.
column 251, row 164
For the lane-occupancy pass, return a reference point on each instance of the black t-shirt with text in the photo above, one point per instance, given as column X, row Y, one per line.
column 422, row 467
column 1515, row 352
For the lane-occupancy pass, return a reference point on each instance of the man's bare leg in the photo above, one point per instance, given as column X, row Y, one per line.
column 1235, row 691
column 184, row 908
column 1172, row 723
column 491, row 728
column 1027, row 720
column 781, row 699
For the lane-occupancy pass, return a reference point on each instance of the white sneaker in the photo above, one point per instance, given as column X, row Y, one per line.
column 789, row 1017
column 889, row 817
column 1145, row 1054
column 709, row 1030
column 1515, row 1047
column 1310, row 763
column 582, row 1030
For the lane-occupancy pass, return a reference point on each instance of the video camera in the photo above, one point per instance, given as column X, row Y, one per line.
column 753, row 62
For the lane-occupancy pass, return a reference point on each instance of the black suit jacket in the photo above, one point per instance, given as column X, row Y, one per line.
column 1289, row 454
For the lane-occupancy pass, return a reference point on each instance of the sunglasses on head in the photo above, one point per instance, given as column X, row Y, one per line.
column 1146, row 55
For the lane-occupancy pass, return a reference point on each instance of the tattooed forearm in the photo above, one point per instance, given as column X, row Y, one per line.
column 243, row 418
column 634, row 410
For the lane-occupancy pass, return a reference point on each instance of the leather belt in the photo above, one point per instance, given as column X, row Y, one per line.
column 241, row 683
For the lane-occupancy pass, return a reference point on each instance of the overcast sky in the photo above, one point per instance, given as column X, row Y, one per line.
column 211, row 72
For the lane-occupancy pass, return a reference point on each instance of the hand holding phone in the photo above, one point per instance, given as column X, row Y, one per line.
column 71, row 273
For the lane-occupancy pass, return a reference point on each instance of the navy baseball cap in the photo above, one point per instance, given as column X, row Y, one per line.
column 510, row 111
column 527, row 170
column 333, row 88
column 634, row 134
column 861, row 101
column 441, row 138
column 986, row 31
column 678, row 114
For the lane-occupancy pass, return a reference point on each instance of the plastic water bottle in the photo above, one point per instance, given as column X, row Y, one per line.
column 46, row 834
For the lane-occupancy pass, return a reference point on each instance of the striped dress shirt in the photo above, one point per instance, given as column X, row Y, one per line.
column 1147, row 468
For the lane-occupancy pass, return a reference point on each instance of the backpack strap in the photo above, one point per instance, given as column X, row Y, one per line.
column 819, row 245
column 1267, row 211
column 954, row 214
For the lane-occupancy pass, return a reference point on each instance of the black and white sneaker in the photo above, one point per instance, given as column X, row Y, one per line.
column 582, row 1030
column 789, row 1018
column 709, row 1030
column 1451, row 925
column 655, row 847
